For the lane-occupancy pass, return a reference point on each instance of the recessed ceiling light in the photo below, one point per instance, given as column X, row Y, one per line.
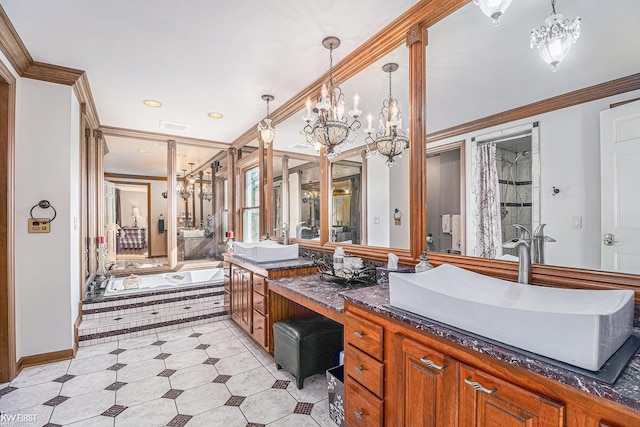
column 142, row 151
column 215, row 115
column 152, row 103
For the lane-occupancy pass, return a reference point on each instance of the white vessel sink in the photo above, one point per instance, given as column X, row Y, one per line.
column 265, row 251
column 192, row 233
column 579, row 327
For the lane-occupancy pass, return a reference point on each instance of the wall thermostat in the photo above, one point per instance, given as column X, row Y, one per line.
column 39, row 225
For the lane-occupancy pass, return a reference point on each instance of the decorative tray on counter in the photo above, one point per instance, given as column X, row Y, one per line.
column 345, row 276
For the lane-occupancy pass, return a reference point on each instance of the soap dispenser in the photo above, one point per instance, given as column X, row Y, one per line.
column 424, row 263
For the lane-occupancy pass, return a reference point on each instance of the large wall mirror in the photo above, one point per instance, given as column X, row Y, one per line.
column 136, row 209
column 552, row 168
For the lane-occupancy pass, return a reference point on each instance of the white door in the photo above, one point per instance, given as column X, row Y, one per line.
column 620, row 192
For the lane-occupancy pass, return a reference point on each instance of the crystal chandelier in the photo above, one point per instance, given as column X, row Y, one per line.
column 265, row 128
column 555, row 37
column 185, row 190
column 207, row 191
column 331, row 127
column 390, row 140
column 493, row 8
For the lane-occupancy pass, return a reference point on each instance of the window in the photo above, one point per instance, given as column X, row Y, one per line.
column 251, row 206
column 225, row 206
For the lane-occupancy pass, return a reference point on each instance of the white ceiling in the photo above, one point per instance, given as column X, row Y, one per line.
column 195, row 56
column 203, row 56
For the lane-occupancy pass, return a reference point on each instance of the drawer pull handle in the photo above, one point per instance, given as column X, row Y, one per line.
column 358, row 334
column 430, row 363
column 359, row 369
column 477, row 386
column 358, row 414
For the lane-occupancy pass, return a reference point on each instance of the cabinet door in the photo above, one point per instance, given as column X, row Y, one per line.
column 488, row 401
column 236, row 288
column 430, row 381
column 246, row 301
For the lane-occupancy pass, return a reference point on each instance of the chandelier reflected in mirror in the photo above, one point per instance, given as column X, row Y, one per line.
column 326, row 123
column 207, row 190
column 555, row 37
column 265, row 128
column 389, row 140
column 185, row 189
column 494, row 9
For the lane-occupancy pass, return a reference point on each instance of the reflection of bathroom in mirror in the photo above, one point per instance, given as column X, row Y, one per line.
column 346, row 201
column 569, row 138
column 296, row 200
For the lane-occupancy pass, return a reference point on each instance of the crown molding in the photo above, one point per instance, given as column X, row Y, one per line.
column 20, row 59
column 156, row 136
column 425, row 13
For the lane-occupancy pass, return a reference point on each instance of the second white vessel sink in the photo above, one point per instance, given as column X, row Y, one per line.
column 192, row 233
column 265, row 251
column 579, row 327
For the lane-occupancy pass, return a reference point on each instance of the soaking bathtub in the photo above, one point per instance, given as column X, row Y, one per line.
column 156, row 282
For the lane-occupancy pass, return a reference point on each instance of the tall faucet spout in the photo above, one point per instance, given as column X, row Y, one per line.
column 523, row 244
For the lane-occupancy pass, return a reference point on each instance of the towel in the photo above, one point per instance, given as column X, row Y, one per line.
column 456, row 232
column 446, row 223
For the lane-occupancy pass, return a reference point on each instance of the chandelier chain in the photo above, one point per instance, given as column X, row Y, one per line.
column 553, row 6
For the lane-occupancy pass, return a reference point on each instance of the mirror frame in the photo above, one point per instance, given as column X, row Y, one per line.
column 412, row 27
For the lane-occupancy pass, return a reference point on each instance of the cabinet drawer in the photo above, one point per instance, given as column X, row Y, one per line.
column 259, row 284
column 364, row 369
column 365, row 335
column 259, row 303
column 362, row 408
column 259, row 328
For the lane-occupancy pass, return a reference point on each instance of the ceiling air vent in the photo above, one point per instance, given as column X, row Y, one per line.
column 300, row 146
column 174, row 126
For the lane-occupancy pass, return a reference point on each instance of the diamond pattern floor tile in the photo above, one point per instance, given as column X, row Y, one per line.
column 114, row 411
column 209, row 379
column 55, row 401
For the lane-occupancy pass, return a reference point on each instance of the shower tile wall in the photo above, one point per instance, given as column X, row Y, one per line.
column 515, row 193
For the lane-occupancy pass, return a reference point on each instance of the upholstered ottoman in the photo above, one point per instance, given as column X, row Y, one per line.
column 306, row 346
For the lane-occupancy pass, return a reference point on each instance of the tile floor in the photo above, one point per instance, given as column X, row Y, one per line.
column 205, row 375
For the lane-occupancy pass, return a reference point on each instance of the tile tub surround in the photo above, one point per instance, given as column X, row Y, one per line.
column 231, row 382
column 116, row 318
column 626, row 390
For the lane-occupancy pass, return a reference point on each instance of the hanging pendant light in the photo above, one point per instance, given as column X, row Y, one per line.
column 493, row 8
column 555, row 37
column 184, row 190
column 207, row 190
column 265, row 128
column 330, row 127
column 390, row 141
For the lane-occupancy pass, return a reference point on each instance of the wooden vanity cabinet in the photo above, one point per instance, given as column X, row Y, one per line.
column 486, row 400
column 242, row 298
column 430, row 381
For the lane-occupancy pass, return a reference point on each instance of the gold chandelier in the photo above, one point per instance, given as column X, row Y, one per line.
column 326, row 123
column 390, row 141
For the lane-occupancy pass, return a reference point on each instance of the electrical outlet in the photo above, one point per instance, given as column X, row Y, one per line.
column 39, row 225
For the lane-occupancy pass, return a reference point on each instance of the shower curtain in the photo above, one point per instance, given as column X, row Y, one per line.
column 488, row 230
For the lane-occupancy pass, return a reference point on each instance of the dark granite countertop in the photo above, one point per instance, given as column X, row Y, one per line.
column 272, row 266
column 626, row 389
column 312, row 287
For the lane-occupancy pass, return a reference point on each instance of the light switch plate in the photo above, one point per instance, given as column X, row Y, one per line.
column 39, row 225
column 576, row 222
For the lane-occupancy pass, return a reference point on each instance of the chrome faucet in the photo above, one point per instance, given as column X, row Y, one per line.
column 523, row 243
column 539, row 239
column 285, row 232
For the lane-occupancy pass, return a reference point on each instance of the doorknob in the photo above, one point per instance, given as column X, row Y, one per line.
column 609, row 239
